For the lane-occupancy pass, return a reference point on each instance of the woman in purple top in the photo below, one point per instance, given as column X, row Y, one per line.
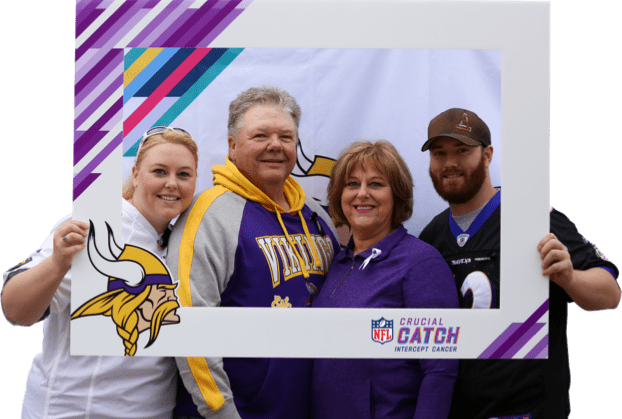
column 371, row 191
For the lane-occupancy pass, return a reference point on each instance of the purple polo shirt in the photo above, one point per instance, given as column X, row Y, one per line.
column 407, row 273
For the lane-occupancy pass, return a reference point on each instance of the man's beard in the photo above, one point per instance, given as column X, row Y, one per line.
column 472, row 184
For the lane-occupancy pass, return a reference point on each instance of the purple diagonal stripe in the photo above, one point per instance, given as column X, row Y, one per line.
column 109, row 126
column 93, row 135
column 157, row 25
column 523, row 341
column 84, row 4
column 544, row 354
column 82, row 186
column 92, row 165
column 521, row 330
column 540, row 348
column 87, row 16
column 499, row 341
column 86, row 58
column 151, row 4
column 122, row 26
column 167, row 15
column 96, row 136
column 103, row 28
column 110, row 60
column 190, row 26
column 89, row 60
column 220, row 27
column 215, row 16
column 101, row 98
column 98, row 95
column 178, row 23
column 110, row 40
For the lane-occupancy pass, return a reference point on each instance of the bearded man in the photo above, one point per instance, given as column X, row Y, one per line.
column 469, row 230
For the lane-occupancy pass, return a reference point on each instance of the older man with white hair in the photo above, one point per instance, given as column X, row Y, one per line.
column 253, row 240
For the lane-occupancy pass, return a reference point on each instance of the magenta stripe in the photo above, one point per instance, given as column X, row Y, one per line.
column 540, row 348
column 92, row 137
column 103, row 29
column 100, row 71
column 499, row 341
column 78, row 188
column 523, row 341
column 87, row 16
column 178, row 23
column 541, row 311
column 204, row 30
column 157, row 25
column 220, row 27
column 92, row 165
column 101, row 98
column 191, row 26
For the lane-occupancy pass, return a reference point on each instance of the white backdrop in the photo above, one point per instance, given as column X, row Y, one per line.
column 348, row 95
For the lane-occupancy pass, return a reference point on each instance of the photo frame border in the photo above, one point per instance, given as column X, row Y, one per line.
column 344, row 24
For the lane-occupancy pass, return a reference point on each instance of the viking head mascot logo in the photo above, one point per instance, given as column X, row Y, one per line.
column 313, row 175
column 141, row 293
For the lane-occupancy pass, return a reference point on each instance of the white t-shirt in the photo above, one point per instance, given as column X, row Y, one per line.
column 96, row 387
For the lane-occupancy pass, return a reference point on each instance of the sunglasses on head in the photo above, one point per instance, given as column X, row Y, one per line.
column 158, row 130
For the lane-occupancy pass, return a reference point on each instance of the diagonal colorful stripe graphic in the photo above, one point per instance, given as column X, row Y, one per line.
column 185, row 75
column 144, row 30
column 517, row 336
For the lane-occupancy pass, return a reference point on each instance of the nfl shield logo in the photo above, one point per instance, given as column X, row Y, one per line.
column 382, row 330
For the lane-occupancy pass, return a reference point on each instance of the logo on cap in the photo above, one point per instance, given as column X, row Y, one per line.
column 464, row 123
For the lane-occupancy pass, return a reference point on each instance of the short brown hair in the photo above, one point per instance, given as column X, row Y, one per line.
column 167, row 136
column 384, row 158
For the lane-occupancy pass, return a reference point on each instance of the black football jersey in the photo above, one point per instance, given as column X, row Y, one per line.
column 537, row 389
column 473, row 255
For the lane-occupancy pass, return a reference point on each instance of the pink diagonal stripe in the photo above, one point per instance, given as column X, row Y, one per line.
column 164, row 88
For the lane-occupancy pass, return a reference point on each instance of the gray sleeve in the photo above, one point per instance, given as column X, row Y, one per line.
column 201, row 256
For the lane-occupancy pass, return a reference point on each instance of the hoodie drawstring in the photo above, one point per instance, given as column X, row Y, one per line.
column 312, row 244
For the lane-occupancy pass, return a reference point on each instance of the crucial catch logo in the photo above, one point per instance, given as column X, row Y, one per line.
column 382, row 330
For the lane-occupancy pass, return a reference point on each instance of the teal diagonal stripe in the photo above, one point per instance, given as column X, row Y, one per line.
column 132, row 56
column 193, row 92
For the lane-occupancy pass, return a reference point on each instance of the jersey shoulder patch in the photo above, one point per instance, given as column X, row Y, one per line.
column 22, row 263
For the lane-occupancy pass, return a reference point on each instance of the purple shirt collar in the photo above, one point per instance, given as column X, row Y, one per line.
column 385, row 245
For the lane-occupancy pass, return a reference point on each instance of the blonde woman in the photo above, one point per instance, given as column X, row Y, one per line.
column 59, row 385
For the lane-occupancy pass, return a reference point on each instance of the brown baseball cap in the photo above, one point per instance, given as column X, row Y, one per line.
column 459, row 124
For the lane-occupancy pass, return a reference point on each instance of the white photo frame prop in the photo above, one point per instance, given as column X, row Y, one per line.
column 110, row 116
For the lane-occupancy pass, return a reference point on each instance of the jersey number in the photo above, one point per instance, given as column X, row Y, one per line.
column 478, row 285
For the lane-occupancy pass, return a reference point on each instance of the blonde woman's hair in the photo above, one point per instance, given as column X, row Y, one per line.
column 167, row 136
